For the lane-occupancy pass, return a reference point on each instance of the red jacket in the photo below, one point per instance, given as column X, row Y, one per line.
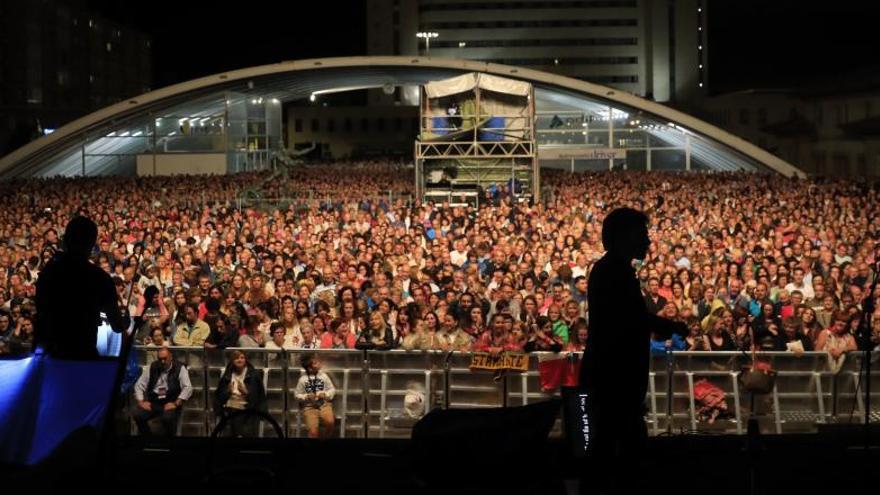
column 487, row 340
column 327, row 340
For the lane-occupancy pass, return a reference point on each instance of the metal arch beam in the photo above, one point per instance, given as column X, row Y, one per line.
column 30, row 159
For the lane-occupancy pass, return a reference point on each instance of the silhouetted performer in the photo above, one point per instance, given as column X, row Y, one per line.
column 71, row 294
column 615, row 365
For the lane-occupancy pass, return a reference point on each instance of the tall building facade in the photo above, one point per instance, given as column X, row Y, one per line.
column 656, row 49
column 58, row 62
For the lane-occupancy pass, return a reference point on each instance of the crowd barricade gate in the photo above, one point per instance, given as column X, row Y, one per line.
column 390, row 376
column 371, row 387
column 807, row 392
column 849, row 389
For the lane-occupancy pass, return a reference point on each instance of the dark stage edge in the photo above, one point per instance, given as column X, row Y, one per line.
column 832, row 461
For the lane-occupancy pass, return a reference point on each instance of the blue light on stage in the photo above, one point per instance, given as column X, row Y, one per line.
column 43, row 400
column 20, row 380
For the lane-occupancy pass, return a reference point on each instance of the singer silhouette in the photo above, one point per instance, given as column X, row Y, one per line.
column 71, row 295
column 614, row 372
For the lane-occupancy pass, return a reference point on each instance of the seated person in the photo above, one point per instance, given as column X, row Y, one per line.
column 161, row 392
column 280, row 339
column 315, row 392
column 378, row 336
column 240, row 388
column 194, row 331
column 222, row 335
column 792, row 338
column 498, row 339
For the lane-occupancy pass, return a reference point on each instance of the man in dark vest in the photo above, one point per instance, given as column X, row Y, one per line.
column 614, row 372
column 161, row 392
column 71, row 295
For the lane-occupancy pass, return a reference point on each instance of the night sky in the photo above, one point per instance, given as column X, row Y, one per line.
column 753, row 43
column 777, row 43
column 193, row 39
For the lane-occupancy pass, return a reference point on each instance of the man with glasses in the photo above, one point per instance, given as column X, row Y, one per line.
column 161, row 392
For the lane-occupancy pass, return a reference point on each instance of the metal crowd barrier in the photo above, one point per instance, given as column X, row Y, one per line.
column 806, row 392
column 371, row 386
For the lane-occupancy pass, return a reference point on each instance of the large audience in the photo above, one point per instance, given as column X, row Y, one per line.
column 746, row 260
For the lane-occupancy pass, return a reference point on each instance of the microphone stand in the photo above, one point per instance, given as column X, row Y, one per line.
column 669, row 396
column 864, row 338
column 107, row 446
column 447, row 388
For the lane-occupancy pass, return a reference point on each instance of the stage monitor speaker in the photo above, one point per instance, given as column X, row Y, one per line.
column 494, row 436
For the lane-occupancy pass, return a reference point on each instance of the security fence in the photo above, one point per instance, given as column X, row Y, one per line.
column 371, row 386
column 305, row 199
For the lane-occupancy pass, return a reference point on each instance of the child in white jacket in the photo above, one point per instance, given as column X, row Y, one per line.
column 315, row 391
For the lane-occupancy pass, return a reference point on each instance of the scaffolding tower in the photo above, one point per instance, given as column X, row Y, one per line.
column 476, row 131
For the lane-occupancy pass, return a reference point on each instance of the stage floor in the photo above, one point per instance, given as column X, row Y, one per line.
column 827, row 462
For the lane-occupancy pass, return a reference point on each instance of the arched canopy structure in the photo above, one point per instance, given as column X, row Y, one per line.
column 571, row 114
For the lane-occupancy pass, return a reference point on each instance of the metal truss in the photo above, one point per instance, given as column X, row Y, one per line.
column 475, row 149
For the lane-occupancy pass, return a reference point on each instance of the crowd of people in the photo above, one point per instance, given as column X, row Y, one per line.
column 744, row 259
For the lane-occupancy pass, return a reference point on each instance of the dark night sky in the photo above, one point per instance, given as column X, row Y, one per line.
column 752, row 42
column 787, row 42
column 193, row 39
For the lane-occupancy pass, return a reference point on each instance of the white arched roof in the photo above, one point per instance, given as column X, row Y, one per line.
column 54, row 153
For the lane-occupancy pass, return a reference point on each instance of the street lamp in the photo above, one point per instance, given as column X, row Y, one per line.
column 427, row 35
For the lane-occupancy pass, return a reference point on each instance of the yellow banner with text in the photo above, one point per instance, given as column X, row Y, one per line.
column 504, row 361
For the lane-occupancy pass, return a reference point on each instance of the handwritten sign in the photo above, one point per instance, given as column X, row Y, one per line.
column 505, row 361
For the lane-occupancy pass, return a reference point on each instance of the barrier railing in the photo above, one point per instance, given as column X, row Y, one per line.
column 371, row 386
column 309, row 198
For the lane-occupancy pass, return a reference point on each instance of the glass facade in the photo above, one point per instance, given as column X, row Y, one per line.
column 242, row 123
column 246, row 129
column 579, row 133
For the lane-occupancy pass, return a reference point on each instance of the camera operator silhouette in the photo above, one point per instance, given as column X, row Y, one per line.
column 71, row 295
column 614, row 372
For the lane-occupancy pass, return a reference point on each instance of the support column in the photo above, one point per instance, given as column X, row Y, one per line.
column 229, row 166
column 687, row 152
column 610, row 136
column 154, row 140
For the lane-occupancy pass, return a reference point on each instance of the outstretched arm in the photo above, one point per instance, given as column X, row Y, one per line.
column 664, row 328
